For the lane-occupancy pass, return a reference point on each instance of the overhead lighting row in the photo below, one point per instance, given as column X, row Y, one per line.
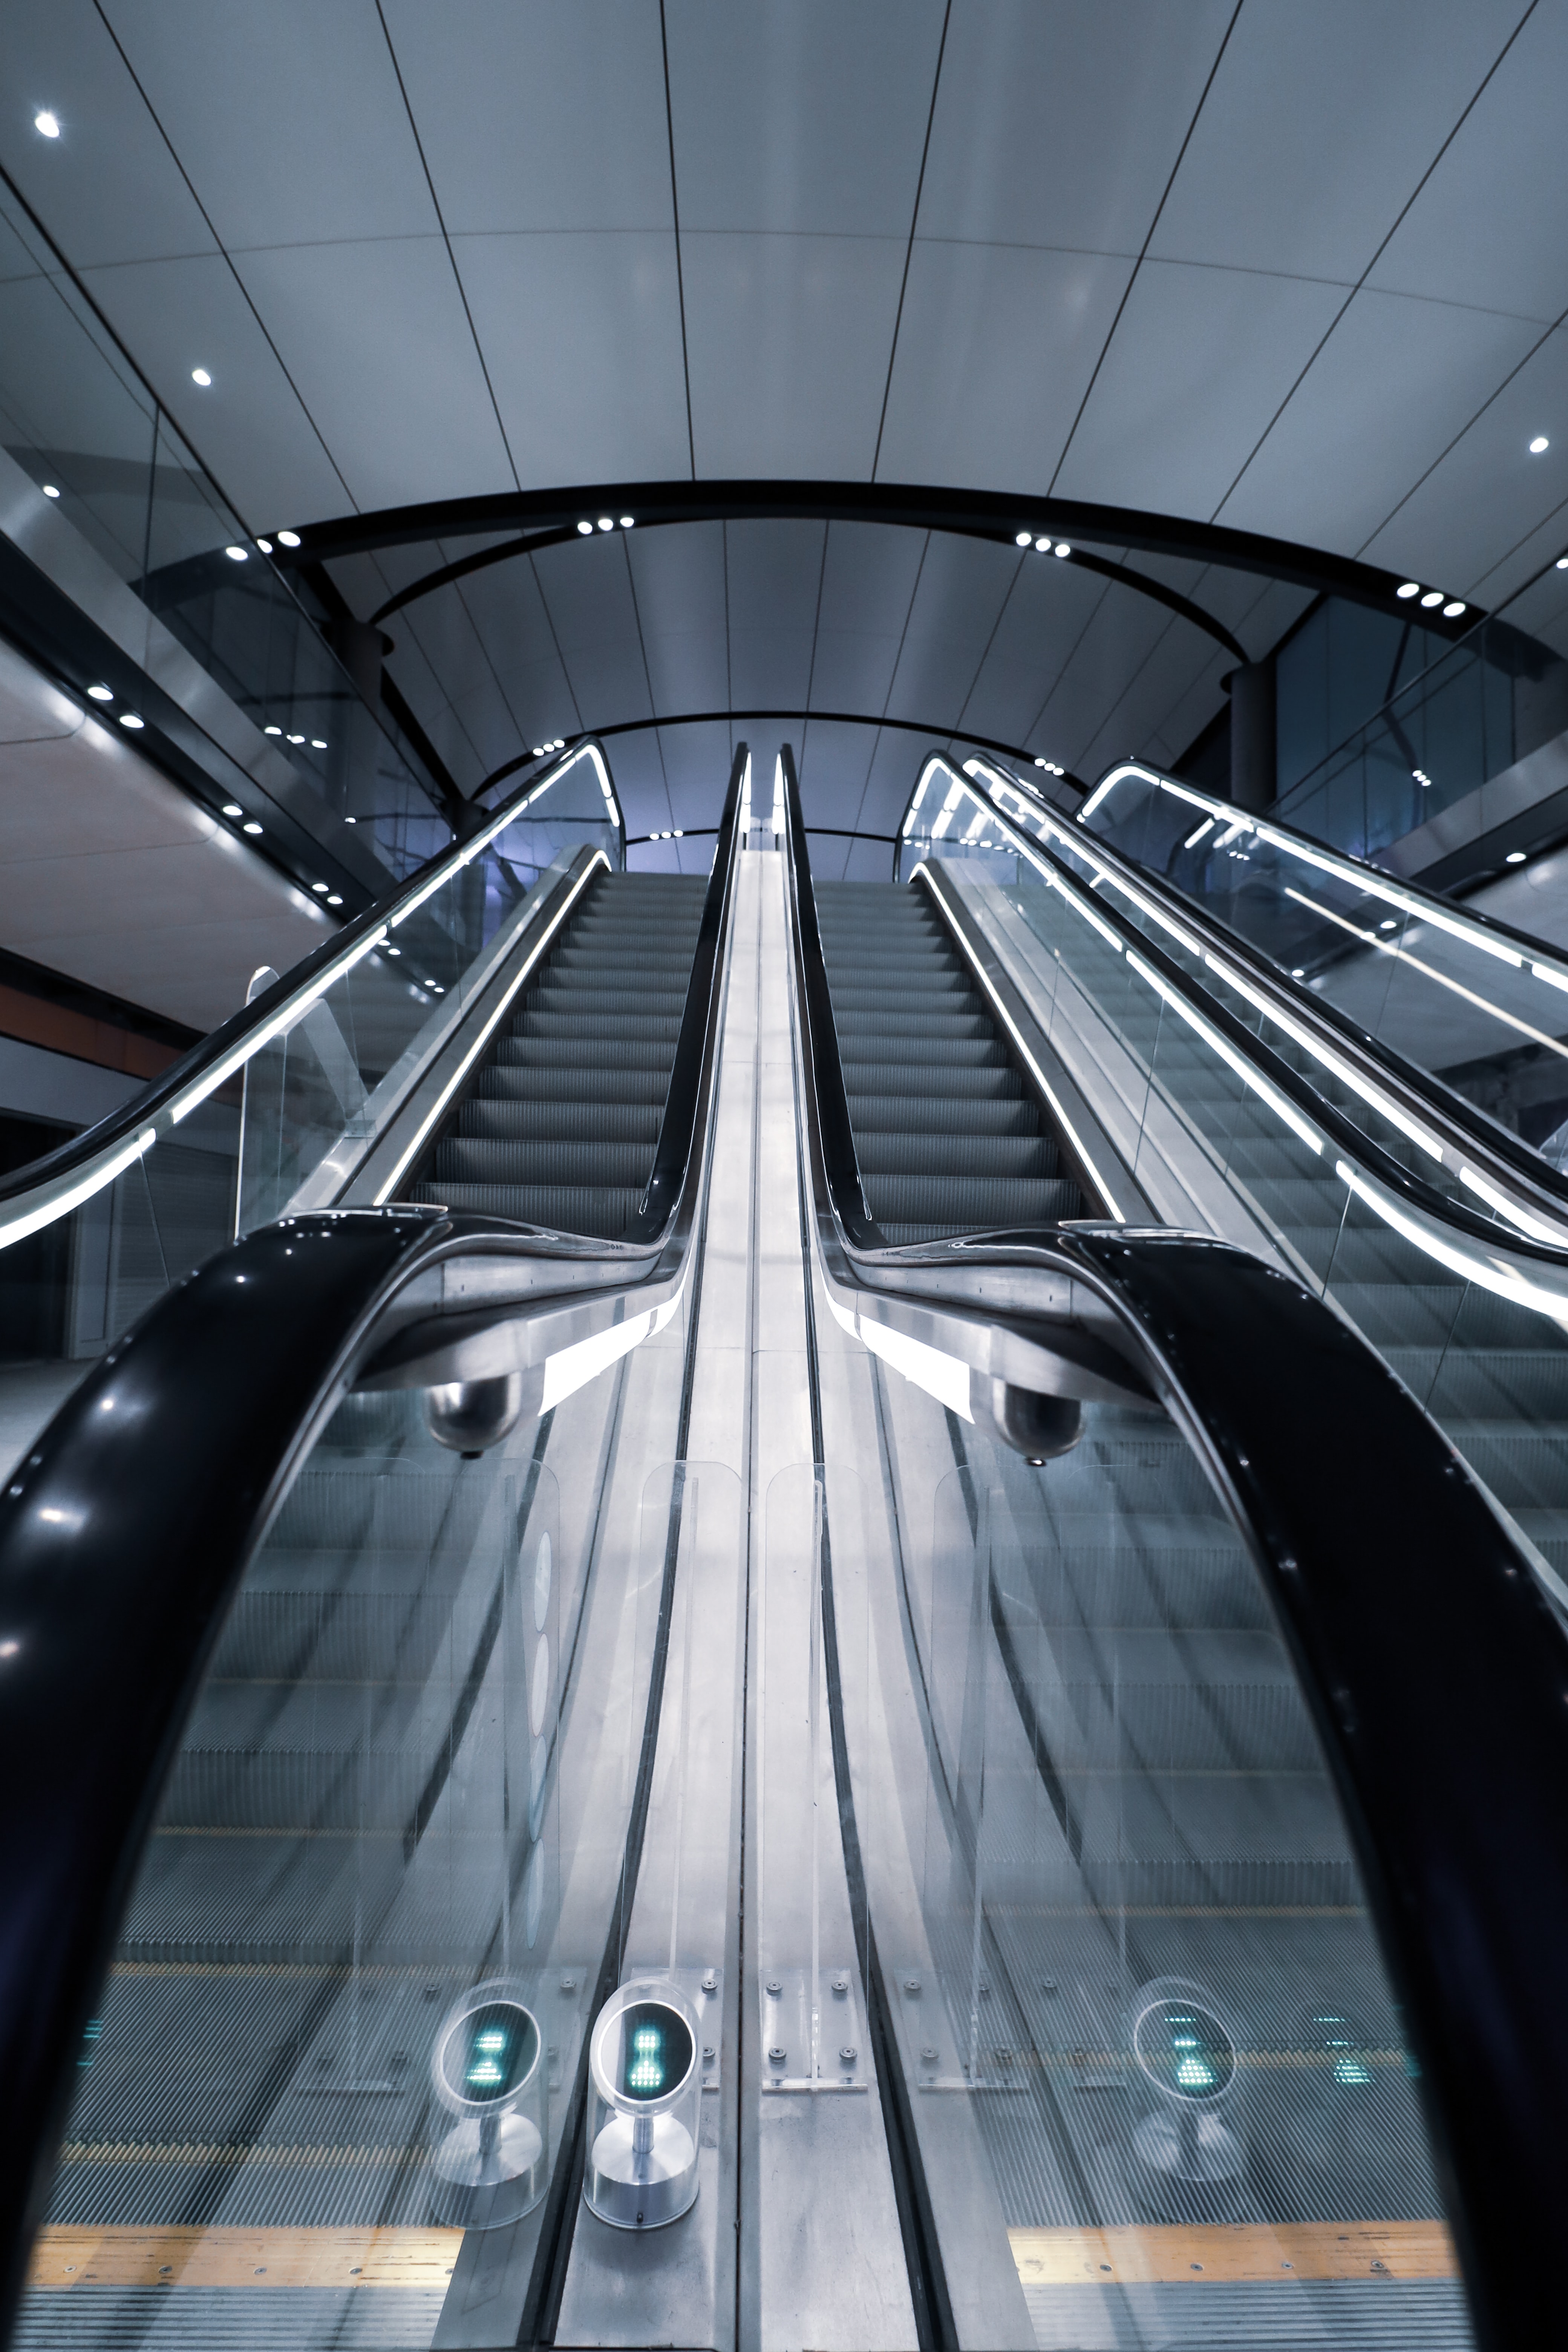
column 606, row 523
column 1430, row 597
column 316, row 742
column 1046, row 546
column 1050, row 767
column 679, row 834
column 540, row 750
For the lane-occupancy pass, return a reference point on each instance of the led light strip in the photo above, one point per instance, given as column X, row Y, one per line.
column 1250, row 1077
column 1470, row 1265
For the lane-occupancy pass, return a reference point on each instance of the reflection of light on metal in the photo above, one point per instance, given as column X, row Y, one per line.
column 1430, row 971
column 942, row 1376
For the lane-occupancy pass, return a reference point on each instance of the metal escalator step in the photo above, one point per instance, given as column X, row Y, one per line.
column 971, row 1073
column 883, row 1052
column 951, row 1157
column 550, row 1120
column 574, row 1082
column 968, row 1112
column 626, row 1027
column 556, row 1052
column 501, row 1160
column 932, row 1027
column 599, row 1210
column 971, row 1203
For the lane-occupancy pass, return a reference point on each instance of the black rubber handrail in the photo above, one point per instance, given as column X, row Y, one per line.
column 1435, row 1671
column 123, row 1125
column 126, row 1532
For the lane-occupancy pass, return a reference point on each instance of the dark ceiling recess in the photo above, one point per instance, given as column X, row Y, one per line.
column 551, row 517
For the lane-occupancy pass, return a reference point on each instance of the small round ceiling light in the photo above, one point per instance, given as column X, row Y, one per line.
column 200, row 375
column 265, row 545
column 51, row 490
column 129, row 718
column 296, row 739
column 1452, row 610
column 1540, row 446
column 1411, row 588
column 538, row 752
column 1433, row 596
column 1061, row 548
column 47, row 125
column 287, row 539
column 320, row 887
column 1042, row 546
column 628, row 521
column 1563, row 564
column 1514, row 858
column 99, row 694
column 587, row 528
column 251, row 826
column 272, row 730
column 238, row 554
column 317, row 742
column 232, row 808
column 334, row 898
column 606, row 523
column 1023, row 538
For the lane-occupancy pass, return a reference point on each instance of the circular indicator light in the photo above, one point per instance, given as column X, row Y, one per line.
column 1185, row 2050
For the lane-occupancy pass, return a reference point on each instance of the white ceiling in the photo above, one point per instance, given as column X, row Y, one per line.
column 1295, row 268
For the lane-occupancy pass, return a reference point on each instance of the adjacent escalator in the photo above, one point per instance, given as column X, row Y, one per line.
column 947, row 1138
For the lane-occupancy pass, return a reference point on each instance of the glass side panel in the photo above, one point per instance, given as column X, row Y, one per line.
column 320, row 1091
column 1155, row 2061
column 1490, row 1021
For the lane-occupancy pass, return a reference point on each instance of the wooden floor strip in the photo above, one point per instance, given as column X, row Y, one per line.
column 259, row 2258
column 1252, row 2252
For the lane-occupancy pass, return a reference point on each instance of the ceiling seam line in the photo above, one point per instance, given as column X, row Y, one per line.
column 910, row 246
column 1066, row 663
column 647, row 674
column 679, row 271
column 451, row 257
column 488, row 659
column 986, row 651
column 1394, row 226
column 550, row 624
column 229, row 264
column 1143, row 248
column 1551, row 563
column 815, row 633
column 893, row 674
column 1469, row 426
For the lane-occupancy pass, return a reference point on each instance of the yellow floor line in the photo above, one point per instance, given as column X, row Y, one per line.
column 259, row 2258
column 1253, row 2252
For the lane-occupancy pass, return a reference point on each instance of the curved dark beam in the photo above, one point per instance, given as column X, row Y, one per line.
column 975, row 514
column 731, row 718
column 512, row 549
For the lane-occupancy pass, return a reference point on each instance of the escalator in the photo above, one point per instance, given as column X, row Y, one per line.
column 748, row 1486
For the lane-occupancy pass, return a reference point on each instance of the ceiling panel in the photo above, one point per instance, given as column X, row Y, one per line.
column 108, row 186
column 1377, row 88
column 1336, row 462
column 1486, row 229
column 806, row 119
column 997, row 348
column 288, row 118
column 582, row 341
column 588, row 594
column 788, row 340
column 1037, row 632
column 249, row 426
column 679, row 574
column 868, row 586
column 1200, row 361
column 375, row 337
column 773, row 574
column 539, row 118
column 1489, row 493
column 1058, row 122
column 963, row 588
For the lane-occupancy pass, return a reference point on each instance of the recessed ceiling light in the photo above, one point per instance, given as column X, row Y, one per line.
column 353, row 820
column 681, row 833
column 129, row 718
column 587, row 528
column 238, row 554
column 272, row 730
column 1539, row 444
column 100, row 693
column 1300, row 972
column 1563, row 564
column 232, row 808
column 47, row 123
column 1388, row 924
column 1452, row 610
column 1422, row 778
column 200, row 375
column 627, row 521
column 1021, row 538
column 265, row 545
column 560, row 743
column 1062, row 548
column 1042, row 546
column 539, row 751
column 51, row 490
column 321, row 887
column 296, row 739
column 1433, row 596
column 1514, row 858
column 251, row 827
column 334, row 898
column 606, row 523
column 317, row 742
column 287, row 539
column 1411, row 588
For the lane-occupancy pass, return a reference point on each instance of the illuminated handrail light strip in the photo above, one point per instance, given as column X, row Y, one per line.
column 93, row 1180
column 1253, row 1078
column 1471, row 1264
column 455, row 862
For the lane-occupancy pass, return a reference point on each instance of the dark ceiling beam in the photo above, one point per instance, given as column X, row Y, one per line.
column 509, row 550
column 729, row 717
column 975, row 514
